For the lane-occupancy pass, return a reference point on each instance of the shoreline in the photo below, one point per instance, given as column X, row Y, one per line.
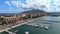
column 19, row 24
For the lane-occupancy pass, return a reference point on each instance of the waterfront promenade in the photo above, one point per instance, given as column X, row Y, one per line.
column 19, row 23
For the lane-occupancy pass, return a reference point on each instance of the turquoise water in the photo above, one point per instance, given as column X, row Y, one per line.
column 33, row 30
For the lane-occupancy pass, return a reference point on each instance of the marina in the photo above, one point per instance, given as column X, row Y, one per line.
column 18, row 24
column 42, row 28
column 29, row 16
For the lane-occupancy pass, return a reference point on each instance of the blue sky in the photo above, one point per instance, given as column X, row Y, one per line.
column 17, row 6
column 6, row 8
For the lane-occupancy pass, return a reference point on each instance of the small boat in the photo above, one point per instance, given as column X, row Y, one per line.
column 16, row 31
column 45, row 27
column 26, row 32
column 41, row 26
column 36, row 25
column 10, row 32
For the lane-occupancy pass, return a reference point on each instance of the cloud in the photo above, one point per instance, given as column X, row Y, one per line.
column 8, row 3
column 56, row 6
column 30, row 4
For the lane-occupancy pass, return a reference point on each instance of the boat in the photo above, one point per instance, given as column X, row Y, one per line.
column 26, row 32
column 10, row 32
column 46, row 27
column 41, row 27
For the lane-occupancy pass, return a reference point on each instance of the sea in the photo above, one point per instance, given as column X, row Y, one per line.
column 55, row 26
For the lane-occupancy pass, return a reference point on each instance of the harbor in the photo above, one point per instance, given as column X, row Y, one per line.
column 29, row 16
column 36, row 27
column 18, row 24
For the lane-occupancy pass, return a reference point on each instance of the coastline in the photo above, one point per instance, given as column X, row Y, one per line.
column 23, row 22
column 30, row 20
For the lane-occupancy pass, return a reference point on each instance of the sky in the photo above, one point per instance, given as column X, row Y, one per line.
column 18, row 6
